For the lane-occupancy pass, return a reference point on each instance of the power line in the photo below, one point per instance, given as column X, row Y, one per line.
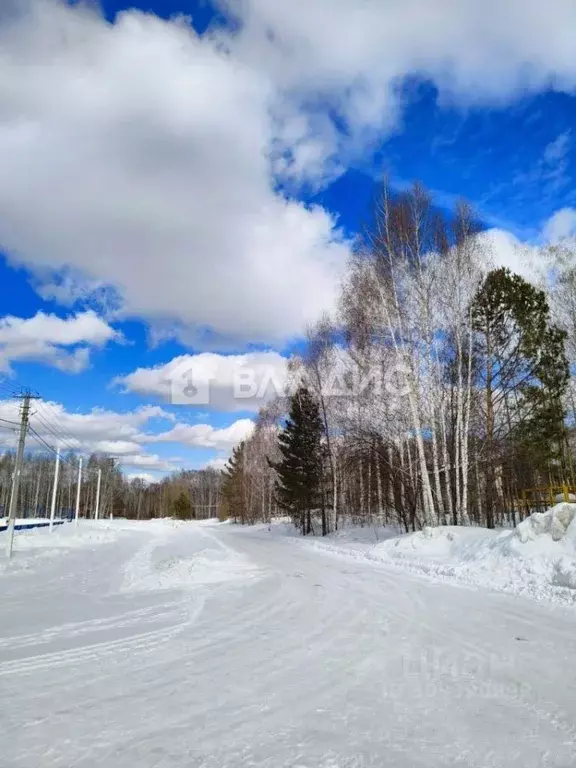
column 43, row 442
column 10, row 390
column 46, row 408
column 55, row 451
column 58, row 436
column 14, row 389
column 44, row 422
column 52, row 420
column 62, row 436
column 7, row 421
column 47, row 420
column 71, row 442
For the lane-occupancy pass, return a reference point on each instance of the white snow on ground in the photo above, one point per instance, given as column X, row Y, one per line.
column 170, row 645
column 37, row 543
column 536, row 559
column 350, row 536
column 159, row 566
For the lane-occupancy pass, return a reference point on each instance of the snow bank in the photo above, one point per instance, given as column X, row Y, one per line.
column 557, row 522
column 356, row 537
column 158, row 566
column 351, row 536
column 172, row 554
column 537, row 558
column 64, row 536
column 185, row 573
column 31, row 546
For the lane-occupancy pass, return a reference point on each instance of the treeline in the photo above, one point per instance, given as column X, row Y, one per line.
column 37, row 482
column 188, row 495
column 439, row 391
column 437, row 394
column 193, row 494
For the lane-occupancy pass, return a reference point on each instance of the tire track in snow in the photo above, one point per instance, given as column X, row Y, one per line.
column 329, row 620
column 77, row 629
column 140, row 642
column 526, row 696
column 414, row 611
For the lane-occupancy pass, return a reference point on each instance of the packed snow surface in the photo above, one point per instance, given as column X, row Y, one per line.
column 174, row 645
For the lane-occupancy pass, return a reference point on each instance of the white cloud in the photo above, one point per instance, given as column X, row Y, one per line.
column 61, row 342
column 560, row 226
column 147, row 461
column 124, row 436
column 121, row 435
column 97, row 427
column 219, row 463
column 550, row 173
column 143, row 157
column 136, row 154
column 116, row 447
column 206, row 436
column 225, row 382
column 354, row 54
column 503, row 249
column 146, row 477
column 556, row 151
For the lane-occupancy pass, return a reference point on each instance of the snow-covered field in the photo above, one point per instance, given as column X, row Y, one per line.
column 171, row 645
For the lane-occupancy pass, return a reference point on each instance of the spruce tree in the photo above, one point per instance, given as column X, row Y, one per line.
column 233, row 485
column 300, row 470
column 183, row 507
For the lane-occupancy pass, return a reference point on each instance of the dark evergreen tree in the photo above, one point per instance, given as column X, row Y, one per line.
column 542, row 434
column 300, row 470
column 183, row 508
column 233, row 485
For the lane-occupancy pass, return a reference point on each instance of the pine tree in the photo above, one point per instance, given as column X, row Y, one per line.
column 300, row 470
column 233, row 485
column 521, row 368
column 542, row 434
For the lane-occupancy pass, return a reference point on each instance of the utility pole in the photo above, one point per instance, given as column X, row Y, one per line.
column 97, row 511
column 55, row 488
column 25, row 413
column 12, row 488
column 78, row 493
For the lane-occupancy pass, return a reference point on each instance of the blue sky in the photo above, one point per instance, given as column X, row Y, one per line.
column 191, row 193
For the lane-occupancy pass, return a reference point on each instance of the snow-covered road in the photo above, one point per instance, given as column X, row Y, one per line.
column 203, row 646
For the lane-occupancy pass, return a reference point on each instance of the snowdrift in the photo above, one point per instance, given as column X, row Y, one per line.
column 31, row 546
column 538, row 557
column 146, row 573
column 168, row 563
